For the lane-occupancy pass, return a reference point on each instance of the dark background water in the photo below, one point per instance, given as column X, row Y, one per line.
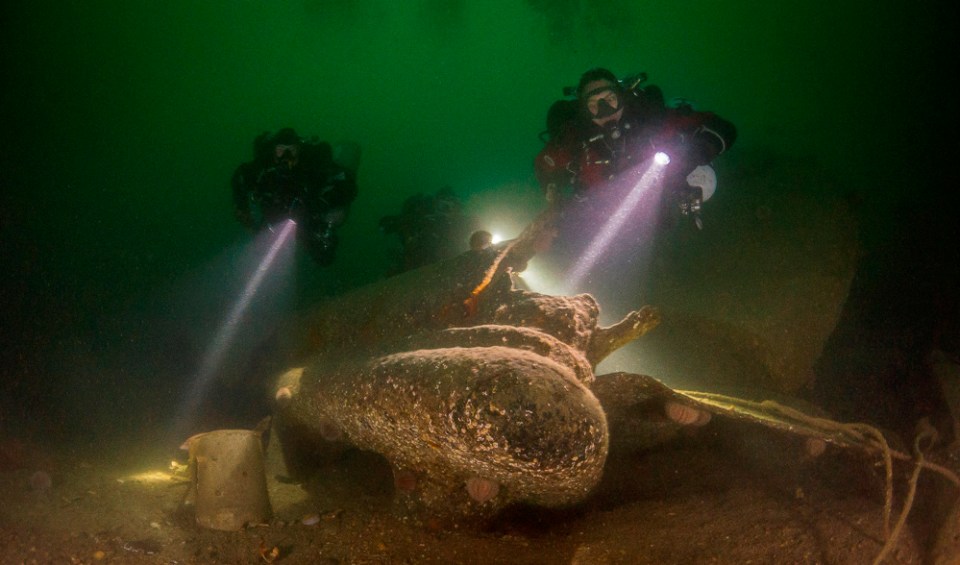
column 122, row 122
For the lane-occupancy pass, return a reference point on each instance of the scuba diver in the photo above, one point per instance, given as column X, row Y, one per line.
column 299, row 179
column 480, row 240
column 613, row 125
column 608, row 205
column 430, row 228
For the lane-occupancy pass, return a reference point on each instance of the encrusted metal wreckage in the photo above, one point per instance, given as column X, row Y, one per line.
column 474, row 405
column 480, row 394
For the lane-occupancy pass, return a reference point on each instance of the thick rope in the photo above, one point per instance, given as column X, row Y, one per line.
column 927, row 432
column 861, row 435
column 856, row 432
column 887, row 453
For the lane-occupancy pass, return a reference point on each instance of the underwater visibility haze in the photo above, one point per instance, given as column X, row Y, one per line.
column 125, row 271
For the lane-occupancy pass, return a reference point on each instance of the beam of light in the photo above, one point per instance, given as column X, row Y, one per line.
column 650, row 178
column 156, row 477
column 215, row 353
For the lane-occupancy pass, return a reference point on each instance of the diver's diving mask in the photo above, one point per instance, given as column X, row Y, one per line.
column 602, row 102
column 287, row 152
column 286, row 155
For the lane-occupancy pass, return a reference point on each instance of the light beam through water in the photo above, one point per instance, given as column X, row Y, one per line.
column 214, row 356
column 653, row 176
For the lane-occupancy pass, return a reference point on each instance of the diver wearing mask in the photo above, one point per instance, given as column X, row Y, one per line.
column 617, row 127
column 298, row 179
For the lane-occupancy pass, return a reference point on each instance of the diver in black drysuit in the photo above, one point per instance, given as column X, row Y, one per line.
column 295, row 178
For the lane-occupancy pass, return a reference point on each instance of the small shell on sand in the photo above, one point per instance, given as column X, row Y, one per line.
column 686, row 415
column 481, row 489
column 703, row 419
column 41, row 482
column 310, row 520
column 814, row 447
column 284, row 395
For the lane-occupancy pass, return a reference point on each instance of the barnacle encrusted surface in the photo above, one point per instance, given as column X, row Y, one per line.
column 474, row 408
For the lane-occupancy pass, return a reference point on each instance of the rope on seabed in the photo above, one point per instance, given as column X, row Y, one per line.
column 862, row 434
column 926, row 432
column 856, row 430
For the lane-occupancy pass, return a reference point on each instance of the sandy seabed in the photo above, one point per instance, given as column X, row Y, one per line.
column 723, row 493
